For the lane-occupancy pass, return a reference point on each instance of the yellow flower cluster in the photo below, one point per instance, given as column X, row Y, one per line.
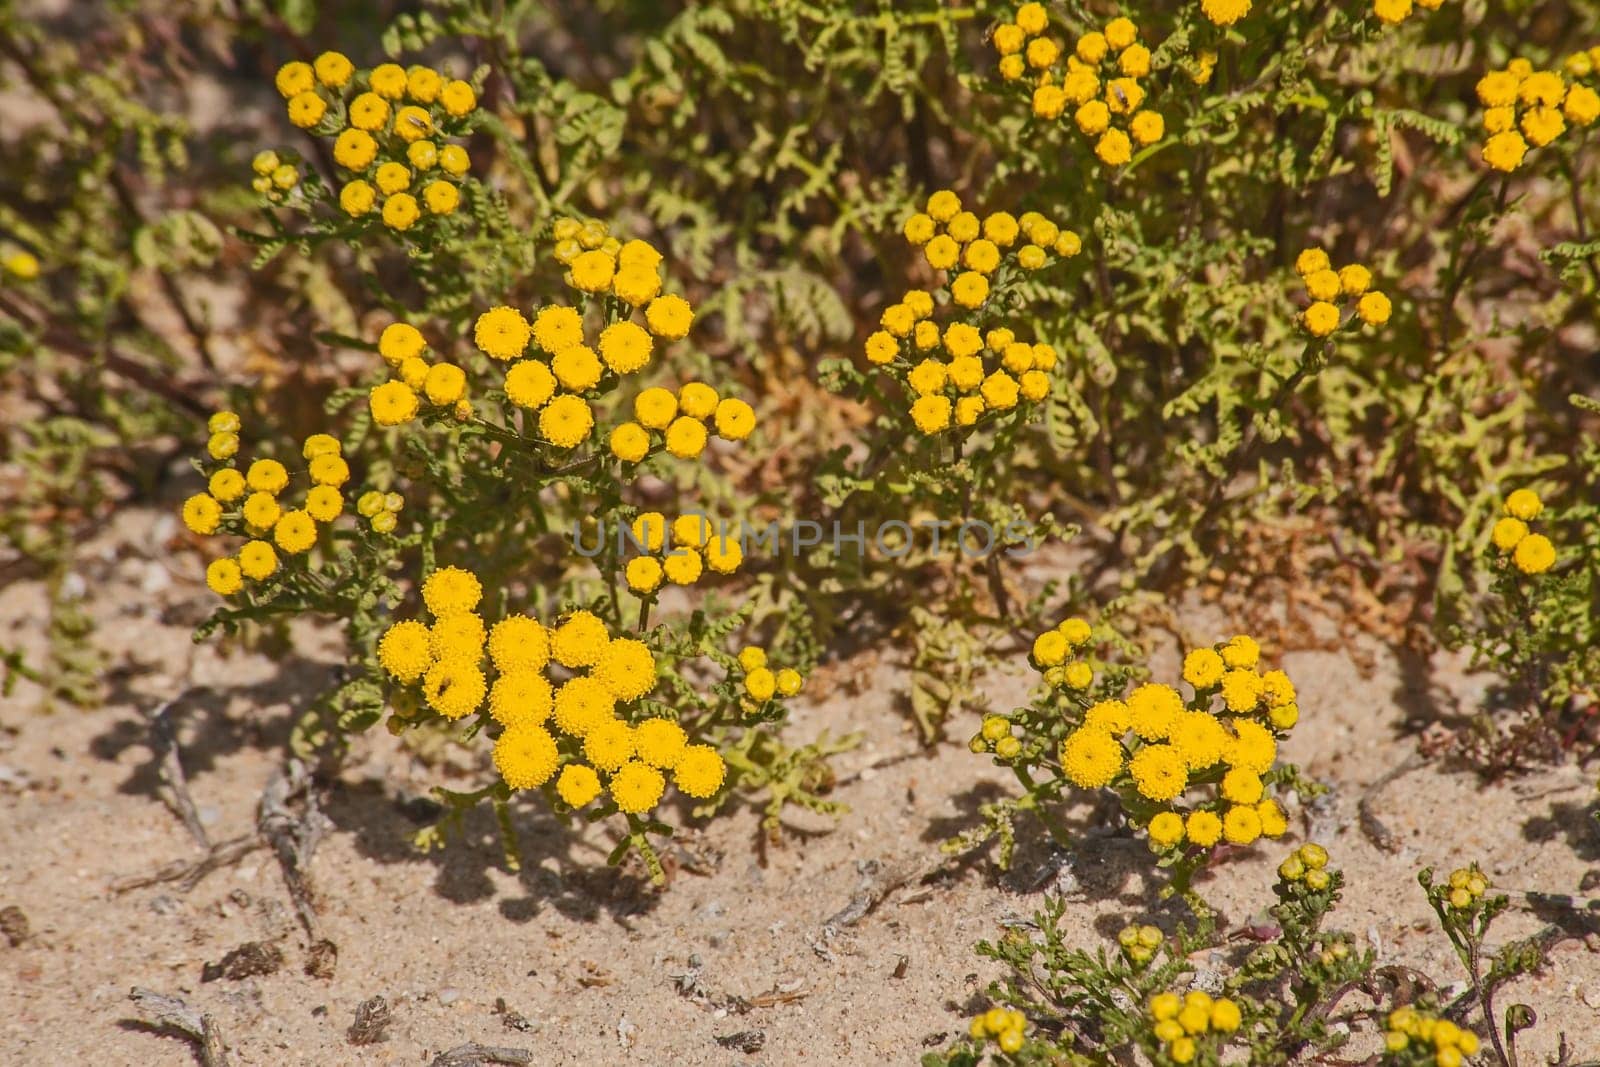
column 1531, row 553
column 1180, row 1021
column 1467, row 887
column 1525, row 108
column 1157, row 747
column 1224, row 13
column 380, row 509
column 761, row 683
column 247, row 503
column 1003, row 1026
column 275, row 178
column 399, row 400
column 1307, row 866
column 1394, row 12
column 679, row 551
column 1100, row 80
column 1326, row 287
column 995, row 735
column 957, row 375
column 1410, row 1029
column 1139, row 943
column 680, row 424
column 387, row 126
column 558, row 694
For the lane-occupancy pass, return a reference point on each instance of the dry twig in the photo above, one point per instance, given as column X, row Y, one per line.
column 162, row 1012
column 473, row 1054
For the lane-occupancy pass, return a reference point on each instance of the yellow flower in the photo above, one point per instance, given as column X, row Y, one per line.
column 1311, row 260
column 1159, row 772
column 357, row 198
column 1582, row 105
column 521, row 698
column 920, row 228
column 1166, row 829
column 454, row 159
column 1504, row 151
column 752, row 658
column 412, row 124
column 1322, row 284
column 226, row 485
column 1241, row 787
column 643, row 574
column 1508, row 533
column 441, row 197
column 369, row 111
column 683, row 567
column 223, row 577
column 1225, row 12
column 202, row 513
column 1541, row 125
column 626, row 347
column 293, row 79
column 1092, row 47
column 295, row 532
column 1134, row 61
column 592, row 271
column 1524, row 504
column 1199, row 739
column 1273, row 822
column 1203, row 828
column 1153, row 710
column 1203, row 668
column 424, row 155
column 518, row 642
column 1114, row 148
column 566, row 421
column 789, row 682
column 267, row 476
column 1241, row 825
column 656, row 408
column 258, row 560
column 697, row 400
column 1253, row 750
column 970, row 289
column 445, row 384
column 458, row 98
column 699, row 771
column 1032, row 18
column 261, row 510
column 1534, row 554
column 400, row 211
column 333, row 69
column 405, row 651
column 931, row 413
column 1278, row 689
column 526, row 756
column 627, row 668
column 577, row 368
column 660, row 743
column 1241, row 689
column 983, row 256
column 609, row 744
column 943, row 205
column 637, row 787
column 629, row 442
column 636, row 286
column 1354, row 279
column 1498, row 88
column 1321, row 318
column 1542, row 88
column 724, row 554
column 669, row 317
column 581, row 704
column 423, row 84
column 942, row 253
column 529, row 384
column 1090, row 759
column 761, row 683
column 1042, row 52
column 354, row 149
column 1374, row 308
column 1391, row 12
column 1093, row 117
column 1147, row 127
column 686, row 437
column 578, row 784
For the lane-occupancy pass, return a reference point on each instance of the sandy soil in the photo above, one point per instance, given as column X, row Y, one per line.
column 584, row 964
